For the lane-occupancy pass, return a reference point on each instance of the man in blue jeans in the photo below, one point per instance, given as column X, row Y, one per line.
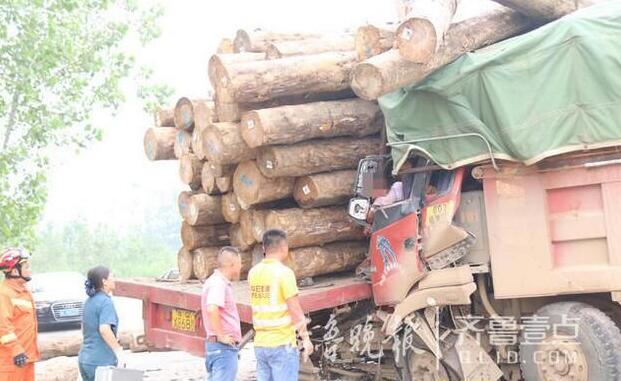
column 276, row 313
column 221, row 318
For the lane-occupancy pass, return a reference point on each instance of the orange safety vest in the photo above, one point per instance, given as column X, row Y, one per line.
column 18, row 324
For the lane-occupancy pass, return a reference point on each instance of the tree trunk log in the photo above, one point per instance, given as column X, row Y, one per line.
column 164, row 117
column 256, row 41
column 194, row 237
column 293, row 124
column 252, row 222
column 196, row 143
column 183, row 144
column 217, row 62
column 189, row 113
column 185, row 264
column 546, row 9
column 342, row 43
column 204, row 209
column 335, row 257
column 225, row 46
column 230, row 208
column 323, row 189
column 389, row 71
column 252, row 187
column 205, row 261
column 246, row 257
column 315, row 156
column 190, row 168
column 159, row 143
column 183, row 202
column 422, row 33
column 372, row 40
column 262, row 80
column 224, row 184
column 223, row 144
column 308, row 227
column 238, row 240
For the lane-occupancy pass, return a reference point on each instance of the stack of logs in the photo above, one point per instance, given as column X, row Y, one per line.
column 278, row 145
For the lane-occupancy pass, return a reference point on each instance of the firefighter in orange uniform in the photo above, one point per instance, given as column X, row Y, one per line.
column 18, row 318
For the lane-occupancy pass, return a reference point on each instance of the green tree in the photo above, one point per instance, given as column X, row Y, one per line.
column 59, row 61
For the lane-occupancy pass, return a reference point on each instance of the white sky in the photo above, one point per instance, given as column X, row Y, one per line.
column 112, row 182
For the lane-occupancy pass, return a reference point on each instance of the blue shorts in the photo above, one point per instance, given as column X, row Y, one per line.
column 221, row 361
column 280, row 363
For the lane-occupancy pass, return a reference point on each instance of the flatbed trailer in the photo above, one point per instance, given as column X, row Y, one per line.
column 171, row 309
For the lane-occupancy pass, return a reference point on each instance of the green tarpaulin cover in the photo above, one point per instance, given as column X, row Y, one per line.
column 554, row 90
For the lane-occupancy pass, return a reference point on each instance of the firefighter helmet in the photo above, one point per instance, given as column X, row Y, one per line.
column 11, row 257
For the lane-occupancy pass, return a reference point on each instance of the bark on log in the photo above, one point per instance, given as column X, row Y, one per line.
column 230, row 208
column 245, row 225
column 190, row 168
column 246, row 257
column 185, row 264
column 164, row 117
column 335, row 257
column 258, row 81
column 256, row 41
column 238, row 240
column 323, row 189
column 194, row 237
column 308, row 227
column 159, row 143
column 224, row 184
column 372, row 40
column 183, row 144
column 389, row 71
column 205, row 261
column 281, row 49
column 252, row 187
column 204, row 209
column 183, row 202
column 225, row 46
column 422, row 33
column 546, row 9
column 315, row 156
column 293, row 124
column 217, row 62
column 223, row 144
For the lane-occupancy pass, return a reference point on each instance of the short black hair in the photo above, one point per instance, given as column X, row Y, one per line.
column 273, row 238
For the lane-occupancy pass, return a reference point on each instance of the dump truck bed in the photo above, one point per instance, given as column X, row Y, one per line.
column 171, row 310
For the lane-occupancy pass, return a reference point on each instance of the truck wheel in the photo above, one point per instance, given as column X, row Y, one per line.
column 578, row 342
column 423, row 366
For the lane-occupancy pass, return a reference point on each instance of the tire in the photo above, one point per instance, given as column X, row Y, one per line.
column 597, row 342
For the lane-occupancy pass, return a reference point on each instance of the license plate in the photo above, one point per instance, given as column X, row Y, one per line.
column 183, row 320
column 69, row 312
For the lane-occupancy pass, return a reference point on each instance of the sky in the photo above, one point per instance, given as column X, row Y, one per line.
column 112, row 182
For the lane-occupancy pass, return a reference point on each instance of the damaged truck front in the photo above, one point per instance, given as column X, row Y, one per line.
column 499, row 254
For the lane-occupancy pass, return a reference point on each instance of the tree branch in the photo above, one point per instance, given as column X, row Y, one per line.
column 11, row 121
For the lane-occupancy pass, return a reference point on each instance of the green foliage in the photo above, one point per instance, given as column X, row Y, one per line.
column 78, row 247
column 59, row 61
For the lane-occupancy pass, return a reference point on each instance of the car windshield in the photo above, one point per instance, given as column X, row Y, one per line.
column 51, row 282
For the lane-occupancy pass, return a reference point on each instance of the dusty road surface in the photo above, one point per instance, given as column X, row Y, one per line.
column 161, row 366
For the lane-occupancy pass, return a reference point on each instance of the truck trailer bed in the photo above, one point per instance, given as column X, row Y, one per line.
column 171, row 309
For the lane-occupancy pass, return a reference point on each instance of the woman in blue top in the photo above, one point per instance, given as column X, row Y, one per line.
column 100, row 325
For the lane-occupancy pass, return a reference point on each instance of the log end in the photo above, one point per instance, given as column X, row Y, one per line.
column 367, row 81
column 184, row 114
column 367, row 42
column 252, row 129
column 241, row 43
column 272, row 52
column 159, row 143
column 208, row 180
column 225, row 46
column 304, row 191
column 417, row 40
column 246, row 183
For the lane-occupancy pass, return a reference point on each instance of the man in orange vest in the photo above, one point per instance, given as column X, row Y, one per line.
column 18, row 318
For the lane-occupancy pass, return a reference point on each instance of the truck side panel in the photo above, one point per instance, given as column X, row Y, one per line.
column 562, row 228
